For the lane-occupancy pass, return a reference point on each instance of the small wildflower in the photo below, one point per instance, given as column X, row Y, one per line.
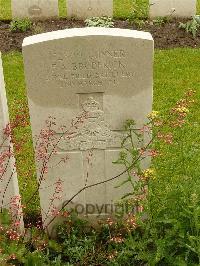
column 110, row 221
column 158, row 123
column 17, row 223
column 12, row 257
column 131, row 221
column 167, row 138
column 140, row 208
column 7, row 130
column 153, row 153
column 141, row 151
column 145, row 129
column 178, row 123
column 117, row 239
column 190, row 92
column 55, row 211
column 13, row 235
column 112, row 255
column 153, row 115
column 182, row 110
column 148, row 174
column 65, row 214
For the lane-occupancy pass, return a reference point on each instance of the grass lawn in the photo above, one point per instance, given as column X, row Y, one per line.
column 174, row 72
column 14, row 77
column 5, row 9
column 122, row 8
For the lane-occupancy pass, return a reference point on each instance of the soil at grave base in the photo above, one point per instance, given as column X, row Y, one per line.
column 166, row 36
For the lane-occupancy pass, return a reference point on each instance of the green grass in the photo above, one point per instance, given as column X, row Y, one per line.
column 122, row 8
column 62, row 8
column 16, row 94
column 174, row 72
column 5, row 10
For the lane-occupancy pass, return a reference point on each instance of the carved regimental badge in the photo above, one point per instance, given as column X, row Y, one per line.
column 92, row 132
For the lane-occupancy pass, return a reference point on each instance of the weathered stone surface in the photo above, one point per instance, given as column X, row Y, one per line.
column 34, row 8
column 9, row 190
column 89, row 8
column 174, row 8
column 91, row 80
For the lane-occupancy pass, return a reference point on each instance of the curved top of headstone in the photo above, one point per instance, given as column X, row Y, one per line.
column 88, row 31
column 116, row 64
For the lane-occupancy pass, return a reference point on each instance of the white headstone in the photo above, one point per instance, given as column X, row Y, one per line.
column 83, row 9
column 34, row 8
column 9, row 190
column 174, row 8
column 97, row 78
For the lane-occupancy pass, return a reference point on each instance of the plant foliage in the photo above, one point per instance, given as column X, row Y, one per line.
column 106, row 22
column 20, row 25
column 191, row 26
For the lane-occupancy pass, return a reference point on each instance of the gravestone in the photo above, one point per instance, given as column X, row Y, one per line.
column 9, row 190
column 34, row 8
column 83, row 9
column 91, row 80
column 174, row 8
